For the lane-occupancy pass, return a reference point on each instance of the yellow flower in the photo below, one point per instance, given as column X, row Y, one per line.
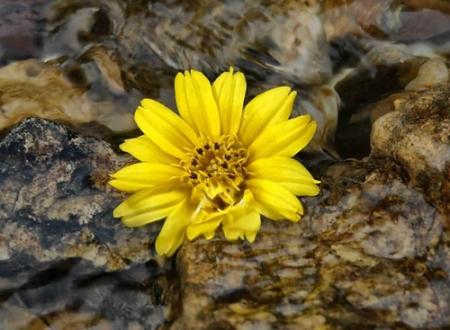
column 216, row 163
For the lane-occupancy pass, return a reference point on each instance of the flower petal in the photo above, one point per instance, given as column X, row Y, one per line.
column 270, row 107
column 144, row 175
column 206, row 228
column 196, row 103
column 283, row 139
column 149, row 205
column 286, row 171
column 167, row 130
column 173, row 231
column 274, row 201
column 143, row 149
column 229, row 92
column 245, row 221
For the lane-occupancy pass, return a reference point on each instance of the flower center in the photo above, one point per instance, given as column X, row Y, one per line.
column 217, row 168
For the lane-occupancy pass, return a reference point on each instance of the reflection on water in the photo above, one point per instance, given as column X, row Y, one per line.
column 91, row 61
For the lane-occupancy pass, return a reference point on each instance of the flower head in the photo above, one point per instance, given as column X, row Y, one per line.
column 216, row 163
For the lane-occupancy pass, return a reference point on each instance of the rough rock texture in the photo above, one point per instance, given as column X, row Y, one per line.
column 58, row 240
column 417, row 135
column 372, row 251
column 55, row 202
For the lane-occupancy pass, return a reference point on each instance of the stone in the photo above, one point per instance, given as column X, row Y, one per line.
column 21, row 29
column 407, row 21
column 32, row 88
column 367, row 254
column 432, row 72
column 281, row 40
column 385, row 74
column 64, row 260
column 417, row 136
column 55, row 202
column 372, row 250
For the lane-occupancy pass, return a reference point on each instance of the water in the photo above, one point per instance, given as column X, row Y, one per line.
column 88, row 63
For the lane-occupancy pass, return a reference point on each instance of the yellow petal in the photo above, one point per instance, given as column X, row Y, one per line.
column 242, row 222
column 144, row 175
column 196, row 103
column 286, row 171
column 268, row 108
column 206, row 228
column 167, row 130
column 143, row 149
column 149, row 205
column 283, row 139
column 274, row 201
column 229, row 92
column 173, row 231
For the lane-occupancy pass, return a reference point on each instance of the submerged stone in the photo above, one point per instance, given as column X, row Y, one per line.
column 35, row 89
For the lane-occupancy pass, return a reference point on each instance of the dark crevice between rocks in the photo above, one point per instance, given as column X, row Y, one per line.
column 360, row 91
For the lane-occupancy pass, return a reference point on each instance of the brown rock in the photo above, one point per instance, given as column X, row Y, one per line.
column 417, row 136
column 363, row 256
column 33, row 88
column 372, row 251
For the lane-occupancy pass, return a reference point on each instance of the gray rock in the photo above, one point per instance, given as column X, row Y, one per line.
column 63, row 258
column 55, row 201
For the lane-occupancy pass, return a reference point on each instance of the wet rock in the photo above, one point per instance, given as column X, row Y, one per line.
column 403, row 21
column 417, row 136
column 55, row 203
column 67, row 297
column 372, row 251
column 431, row 73
column 65, row 261
column 364, row 256
column 33, row 88
column 358, row 18
column 385, row 70
column 21, row 29
column 282, row 40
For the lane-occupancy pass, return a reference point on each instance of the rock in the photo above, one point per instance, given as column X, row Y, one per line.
column 364, row 255
column 55, row 203
column 21, row 29
column 66, row 297
column 281, row 40
column 432, row 72
column 33, row 88
column 372, row 251
column 322, row 103
column 417, row 136
column 385, row 70
column 359, row 18
column 386, row 73
column 63, row 259
column 405, row 21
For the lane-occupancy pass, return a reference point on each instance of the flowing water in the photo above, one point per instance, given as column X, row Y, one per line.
column 87, row 63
